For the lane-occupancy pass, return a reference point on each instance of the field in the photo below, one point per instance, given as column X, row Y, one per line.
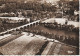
column 61, row 21
column 54, row 48
column 28, row 45
column 22, row 45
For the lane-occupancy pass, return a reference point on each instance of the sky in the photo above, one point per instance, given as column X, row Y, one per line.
column 51, row 1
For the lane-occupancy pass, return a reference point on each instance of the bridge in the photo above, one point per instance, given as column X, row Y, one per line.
column 26, row 25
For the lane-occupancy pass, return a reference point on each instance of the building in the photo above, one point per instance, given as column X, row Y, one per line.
column 13, row 19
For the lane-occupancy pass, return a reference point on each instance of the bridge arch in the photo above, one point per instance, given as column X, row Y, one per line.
column 31, row 25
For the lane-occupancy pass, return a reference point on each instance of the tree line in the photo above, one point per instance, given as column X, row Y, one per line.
column 36, row 6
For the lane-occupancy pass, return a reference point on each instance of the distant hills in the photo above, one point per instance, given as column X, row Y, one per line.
column 51, row 1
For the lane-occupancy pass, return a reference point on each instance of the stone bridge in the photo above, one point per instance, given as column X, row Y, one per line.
column 26, row 25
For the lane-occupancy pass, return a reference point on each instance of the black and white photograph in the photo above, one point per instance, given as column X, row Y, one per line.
column 39, row 27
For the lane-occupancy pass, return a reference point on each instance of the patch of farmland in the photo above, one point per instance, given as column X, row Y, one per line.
column 23, row 45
